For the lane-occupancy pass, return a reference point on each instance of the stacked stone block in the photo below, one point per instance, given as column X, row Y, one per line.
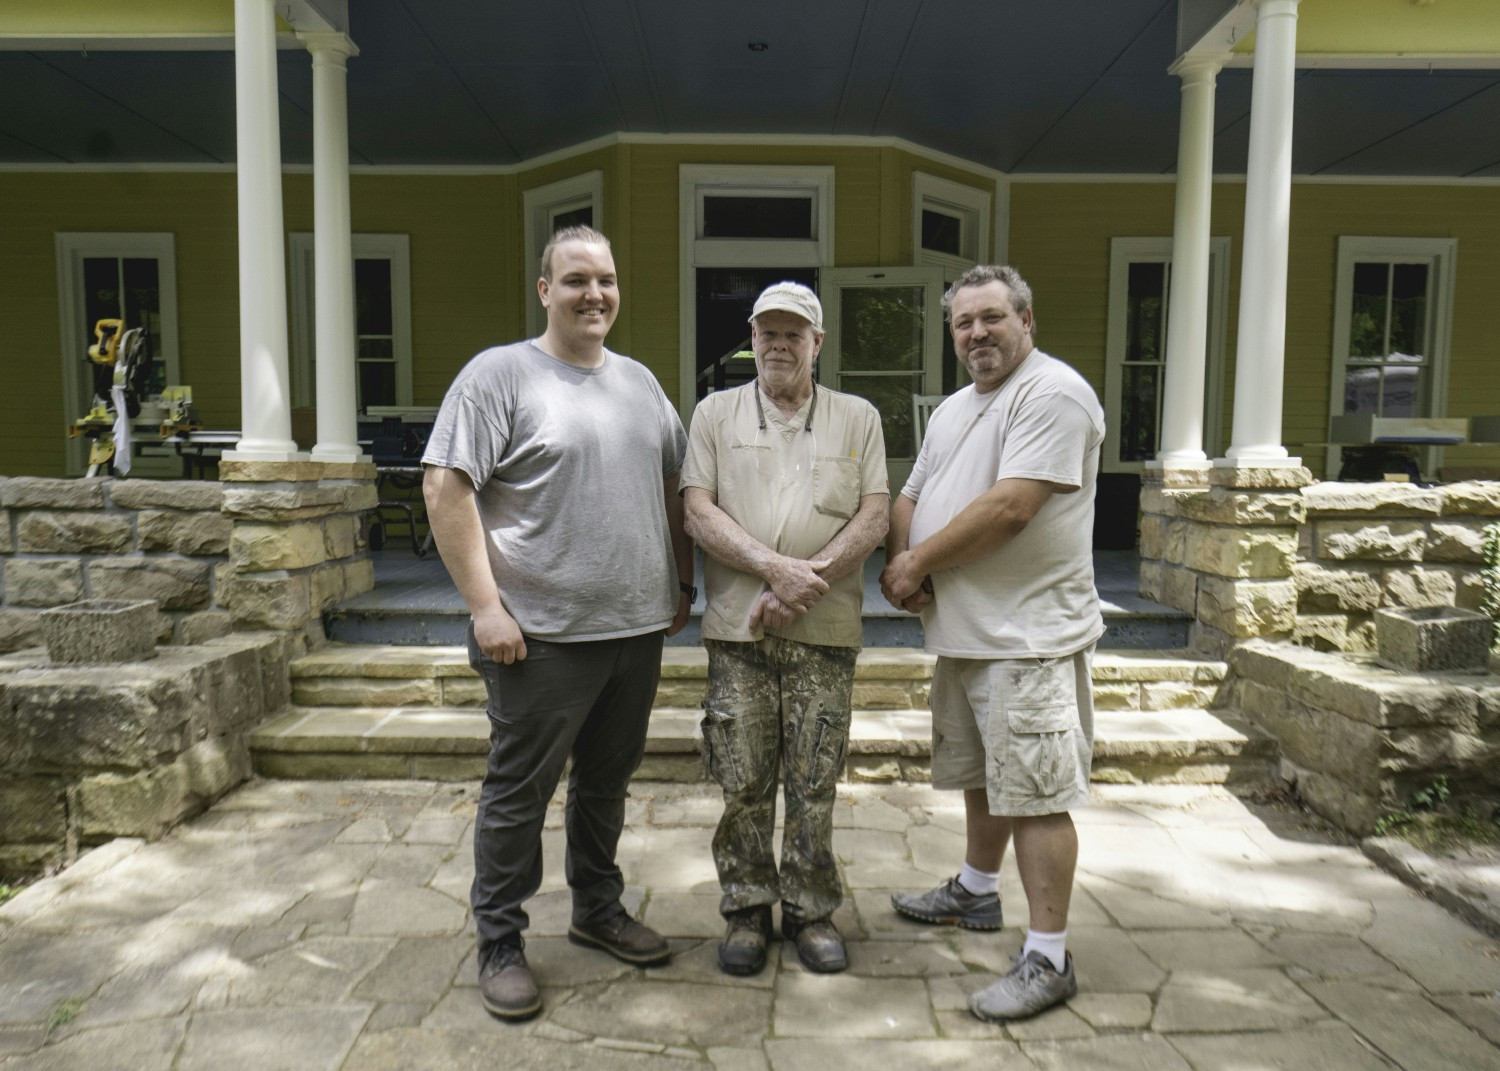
column 1369, row 546
column 1220, row 543
column 66, row 540
column 1358, row 739
column 297, row 545
column 90, row 752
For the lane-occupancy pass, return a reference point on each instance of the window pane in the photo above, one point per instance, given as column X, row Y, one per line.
column 376, row 349
column 891, row 395
column 1145, row 302
column 725, row 298
column 377, row 383
column 941, row 232
column 1409, row 310
column 1138, row 408
column 573, row 217
column 101, row 292
column 372, row 297
column 1361, row 390
column 1403, row 391
column 883, row 328
column 1367, row 311
column 757, row 217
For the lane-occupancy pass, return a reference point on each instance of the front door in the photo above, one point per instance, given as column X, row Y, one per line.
column 885, row 343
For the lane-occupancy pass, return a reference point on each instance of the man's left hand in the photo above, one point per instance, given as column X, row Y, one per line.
column 771, row 612
column 684, row 611
column 901, row 579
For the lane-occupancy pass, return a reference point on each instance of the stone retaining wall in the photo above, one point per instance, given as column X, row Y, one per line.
column 93, row 752
column 1357, row 740
column 66, row 540
column 1371, row 545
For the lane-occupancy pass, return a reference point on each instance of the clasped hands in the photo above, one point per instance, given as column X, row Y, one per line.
column 796, row 587
column 904, row 585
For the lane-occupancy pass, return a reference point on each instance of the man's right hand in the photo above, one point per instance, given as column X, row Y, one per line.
column 499, row 637
column 797, row 583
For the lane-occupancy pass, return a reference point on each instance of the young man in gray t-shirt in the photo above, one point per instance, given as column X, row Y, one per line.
column 551, row 487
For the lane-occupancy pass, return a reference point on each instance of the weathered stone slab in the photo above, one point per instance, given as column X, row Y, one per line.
column 150, row 1045
column 1414, row 585
column 340, row 536
column 269, row 600
column 97, row 631
column 326, row 586
column 183, row 533
column 474, row 1049
column 1433, row 639
column 1325, row 1046
column 1458, row 540
column 1180, row 589
column 1241, row 552
column 36, row 492
column 1322, row 632
column 1250, row 476
column 175, row 583
column 167, row 494
column 1247, row 608
column 1407, row 1027
column 1265, row 508
column 206, row 625
column 68, row 718
column 1176, row 541
column 7, row 537
column 73, row 532
column 1373, row 540
column 844, row 1006
column 272, row 1039
column 1152, row 580
column 989, row 1052
column 1152, row 536
column 671, row 1013
column 43, row 583
column 143, row 804
column 359, row 577
column 1473, row 497
column 1117, row 1052
column 263, row 547
column 1326, row 588
column 283, row 503
column 1222, row 1000
column 32, row 809
column 1373, row 499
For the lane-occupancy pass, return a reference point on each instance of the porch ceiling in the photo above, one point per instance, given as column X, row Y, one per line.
column 1016, row 85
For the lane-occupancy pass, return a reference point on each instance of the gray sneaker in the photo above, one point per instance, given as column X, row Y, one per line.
column 950, row 904
column 1031, row 986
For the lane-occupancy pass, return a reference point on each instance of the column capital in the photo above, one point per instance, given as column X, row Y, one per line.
column 1198, row 67
column 334, row 44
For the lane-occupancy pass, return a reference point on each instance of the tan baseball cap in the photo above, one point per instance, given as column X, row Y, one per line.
column 790, row 297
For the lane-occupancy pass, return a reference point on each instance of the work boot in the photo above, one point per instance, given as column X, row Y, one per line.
column 506, row 988
column 950, row 904
column 1031, row 986
column 743, row 950
column 624, row 938
column 819, row 946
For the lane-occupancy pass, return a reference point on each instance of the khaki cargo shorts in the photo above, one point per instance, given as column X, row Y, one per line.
column 1020, row 728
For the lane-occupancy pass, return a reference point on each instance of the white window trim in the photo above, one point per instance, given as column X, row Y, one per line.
column 395, row 248
column 541, row 204
column 1125, row 251
column 970, row 204
column 693, row 180
column 1443, row 255
column 73, row 247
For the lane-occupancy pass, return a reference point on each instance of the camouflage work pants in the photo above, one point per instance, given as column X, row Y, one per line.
column 771, row 704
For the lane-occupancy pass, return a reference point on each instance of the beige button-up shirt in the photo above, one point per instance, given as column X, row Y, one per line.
column 790, row 489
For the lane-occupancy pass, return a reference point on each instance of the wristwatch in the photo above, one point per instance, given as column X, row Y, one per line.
column 688, row 590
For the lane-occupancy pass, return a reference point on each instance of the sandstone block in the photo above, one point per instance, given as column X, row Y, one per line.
column 205, row 625
column 184, row 533
column 1488, row 708
column 24, row 860
column 1460, row 540
column 1337, row 747
column 144, row 804
column 1241, row 552
column 1246, row 608
column 305, row 501
column 1152, row 542
column 258, row 548
column 270, row 600
column 1470, row 590
column 35, row 492
column 881, row 695
column 1117, row 695
column 680, row 693
column 19, row 629
column 1176, row 540
column 1177, row 695
column 1416, row 586
column 7, row 538
column 100, row 631
column 80, row 718
column 866, row 769
column 1479, row 498
column 1371, row 541
column 339, row 536
column 470, row 692
column 1151, row 582
column 1176, row 473
column 1433, row 639
column 167, row 494
column 364, row 692
column 1167, row 502
column 359, row 577
column 32, row 809
column 42, row 583
column 1373, row 499
column 1353, row 811
column 1180, row 589
column 216, row 765
column 1322, row 632
column 302, row 471
column 1259, row 477
column 1329, row 588
column 327, row 586
column 1223, row 505
column 175, row 583
column 359, row 497
column 73, row 532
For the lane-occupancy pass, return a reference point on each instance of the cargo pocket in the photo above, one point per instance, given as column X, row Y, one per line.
column 721, row 756
column 826, row 750
column 1039, row 715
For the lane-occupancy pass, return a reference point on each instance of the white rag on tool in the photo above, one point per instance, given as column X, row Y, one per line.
column 122, row 430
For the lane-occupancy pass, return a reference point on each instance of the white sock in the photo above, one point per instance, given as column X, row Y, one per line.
column 1052, row 945
column 978, row 882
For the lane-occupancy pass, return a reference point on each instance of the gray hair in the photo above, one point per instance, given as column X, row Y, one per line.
column 569, row 234
column 981, row 274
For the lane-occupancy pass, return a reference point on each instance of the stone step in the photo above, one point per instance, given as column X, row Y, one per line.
column 450, row 743
column 886, row 678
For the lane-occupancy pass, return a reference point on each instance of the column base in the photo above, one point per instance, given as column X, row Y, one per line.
column 338, row 453
column 1176, row 472
column 266, row 450
column 1259, row 473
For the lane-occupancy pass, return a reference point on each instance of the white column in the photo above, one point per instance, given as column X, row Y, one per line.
column 333, row 258
column 265, row 399
column 1187, row 304
column 1261, row 350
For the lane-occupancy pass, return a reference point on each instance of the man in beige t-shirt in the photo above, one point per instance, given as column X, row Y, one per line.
column 786, row 492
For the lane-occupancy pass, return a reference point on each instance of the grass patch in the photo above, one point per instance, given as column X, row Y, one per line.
column 65, row 1012
column 8, row 892
column 1435, row 825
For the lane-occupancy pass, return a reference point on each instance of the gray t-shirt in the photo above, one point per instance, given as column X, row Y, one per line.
column 569, row 464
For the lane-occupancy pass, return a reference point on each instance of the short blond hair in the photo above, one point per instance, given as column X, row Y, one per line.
column 569, row 234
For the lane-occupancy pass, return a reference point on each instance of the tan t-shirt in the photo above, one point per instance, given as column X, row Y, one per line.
column 790, row 489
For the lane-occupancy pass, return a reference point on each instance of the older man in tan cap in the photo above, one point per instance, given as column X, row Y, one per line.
column 786, row 491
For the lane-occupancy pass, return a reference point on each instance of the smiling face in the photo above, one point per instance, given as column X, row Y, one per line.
column 785, row 345
column 989, row 336
column 582, row 298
